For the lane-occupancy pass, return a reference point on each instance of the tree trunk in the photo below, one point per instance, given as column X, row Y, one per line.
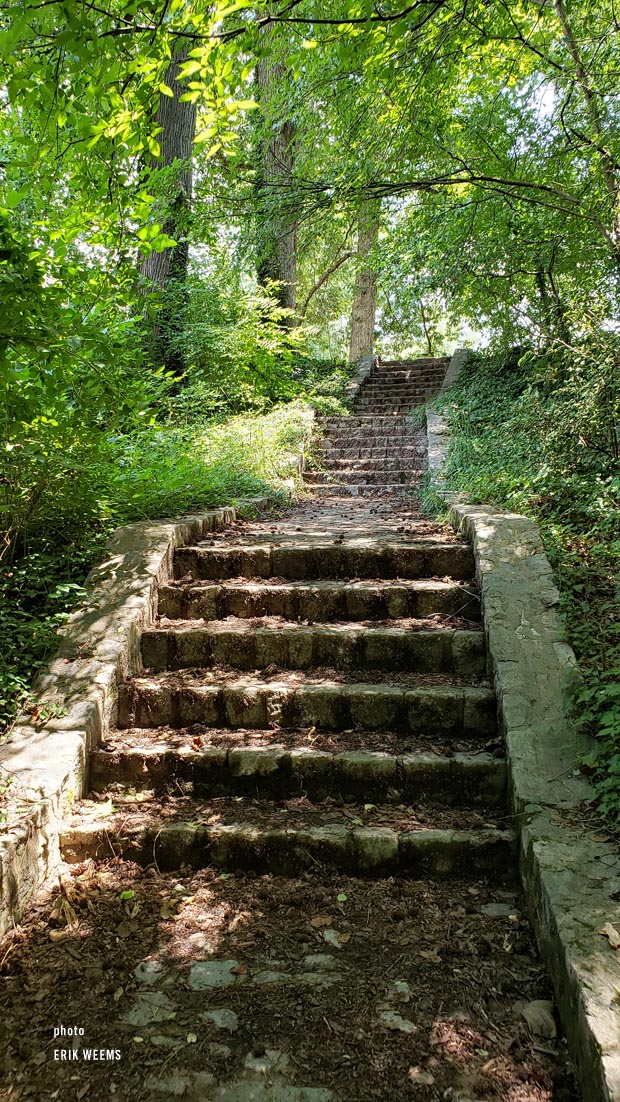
column 365, row 290
column 167, row 270
column 276, row 258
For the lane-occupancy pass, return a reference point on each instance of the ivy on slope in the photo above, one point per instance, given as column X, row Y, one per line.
column 538, row 433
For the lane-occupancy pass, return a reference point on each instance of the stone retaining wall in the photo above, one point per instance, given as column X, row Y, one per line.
column 45, row 756
column 570, row 873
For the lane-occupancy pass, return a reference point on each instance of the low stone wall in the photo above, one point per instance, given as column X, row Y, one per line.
column 363, row 368
column 45, row 757
column 570, row 874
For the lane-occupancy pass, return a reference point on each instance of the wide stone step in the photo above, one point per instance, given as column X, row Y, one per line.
column 464, row 780
column 320, row 560
column 387, row 451
column 397, row 407
column 235, row 835
column 367, row 441
column 365, row 489
column 320, row 601
column 375, row 476
column 380, row 395
column 302, row 701
column 429, row 363
column 404, row 390
column 343, row 446
column 389, row 422
column 293, row 646
column 370, row 438
column 385, row 464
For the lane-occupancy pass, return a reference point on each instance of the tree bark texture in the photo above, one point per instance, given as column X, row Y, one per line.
column 277, row 220
column 167, row 270
column 365, row 290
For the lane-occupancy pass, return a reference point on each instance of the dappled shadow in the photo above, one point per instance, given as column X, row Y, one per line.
column 364, row 989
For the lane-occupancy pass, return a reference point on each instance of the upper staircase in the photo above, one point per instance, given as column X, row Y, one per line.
column 376, row 450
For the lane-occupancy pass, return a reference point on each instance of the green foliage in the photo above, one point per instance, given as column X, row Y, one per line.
column 158, row 470
column 539, row 435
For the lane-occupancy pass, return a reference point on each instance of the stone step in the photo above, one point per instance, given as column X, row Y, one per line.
column 320, row 601
column 237, row 834
column 292, row 646
column 394, row 406
column 370, row 436
column 389, row 422
column 430, row 362
column 377, row 464
column 375, row 476
column 378, row 389
column 383, row 405
column 301, row 701
column 360, row 559
column 369, row 445
column 387, row 451
column 466, row 780
column 365, row 489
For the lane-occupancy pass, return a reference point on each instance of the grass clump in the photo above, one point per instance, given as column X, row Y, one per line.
column 538, row 434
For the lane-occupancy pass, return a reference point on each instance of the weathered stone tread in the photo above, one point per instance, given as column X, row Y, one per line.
column 322, row 600
column 268, row 844
column 179, row 700
column 349, row 559
column 246, row 646
column 464, row 779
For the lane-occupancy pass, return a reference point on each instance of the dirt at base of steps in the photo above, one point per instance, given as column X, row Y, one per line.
column 225, row 988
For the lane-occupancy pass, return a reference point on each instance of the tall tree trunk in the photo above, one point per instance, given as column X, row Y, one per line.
column 365, row 290
column 167, row 270
column 276, row 257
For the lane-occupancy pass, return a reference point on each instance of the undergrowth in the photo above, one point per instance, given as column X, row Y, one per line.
column 159, row 470
column 539, row 434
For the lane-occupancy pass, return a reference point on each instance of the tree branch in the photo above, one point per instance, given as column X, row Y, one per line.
column 317, row 286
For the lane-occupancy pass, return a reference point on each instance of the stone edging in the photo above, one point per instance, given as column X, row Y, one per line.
column 571, row 877
column 363, row 368
column 46, row 753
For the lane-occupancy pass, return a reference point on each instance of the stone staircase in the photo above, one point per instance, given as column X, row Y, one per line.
column 267, row 651
column 300, row 814
column 376, row 449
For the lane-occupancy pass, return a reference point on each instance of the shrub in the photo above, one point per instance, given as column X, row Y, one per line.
column 538, row 434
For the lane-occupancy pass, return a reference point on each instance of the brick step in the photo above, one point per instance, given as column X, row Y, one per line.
column 353, row 559
column 292, row 646
column 297, row 701
column 376, row 476
column 321, row 601
column 466, row 780
column 408, row 452
column 241, row 834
